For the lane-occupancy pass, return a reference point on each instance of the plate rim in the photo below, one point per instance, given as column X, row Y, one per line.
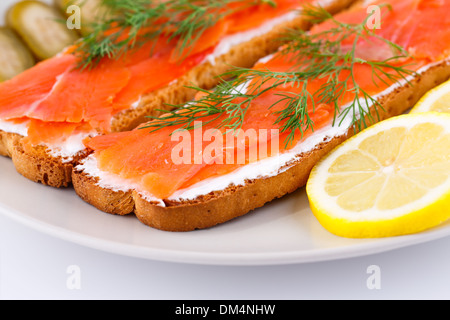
column 225, row 259
column 220, row 259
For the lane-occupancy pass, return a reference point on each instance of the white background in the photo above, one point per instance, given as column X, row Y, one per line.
column 35, row 266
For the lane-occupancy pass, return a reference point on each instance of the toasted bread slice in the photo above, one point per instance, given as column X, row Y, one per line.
column 37, row 164
column 40, row 165
column 7, row 143
column 219, row 206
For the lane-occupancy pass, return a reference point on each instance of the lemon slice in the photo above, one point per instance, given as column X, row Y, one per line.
column 436, row 100
column 390, row 179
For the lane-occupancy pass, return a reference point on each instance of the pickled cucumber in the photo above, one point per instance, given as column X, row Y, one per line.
column 15, row 57
column 91, row 12
column 42, row 27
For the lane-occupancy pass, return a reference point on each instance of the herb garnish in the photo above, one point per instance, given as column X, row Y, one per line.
column 144, row 20
column 314, row 56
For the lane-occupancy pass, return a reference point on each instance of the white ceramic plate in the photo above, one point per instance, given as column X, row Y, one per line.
column 282, row 232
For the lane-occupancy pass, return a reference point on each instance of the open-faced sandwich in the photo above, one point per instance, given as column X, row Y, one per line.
column 183, row 171
column 125, row 69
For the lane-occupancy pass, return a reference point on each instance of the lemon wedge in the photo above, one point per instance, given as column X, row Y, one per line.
column 436, row 100
column 391, row 179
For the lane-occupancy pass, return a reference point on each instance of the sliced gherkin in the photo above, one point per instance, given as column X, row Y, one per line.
column 15, row 57
column 42, row 27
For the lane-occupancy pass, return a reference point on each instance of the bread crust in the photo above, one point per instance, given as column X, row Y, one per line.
column 221, row 206
column 40, row 166
column 7, row 141
column 37, row 164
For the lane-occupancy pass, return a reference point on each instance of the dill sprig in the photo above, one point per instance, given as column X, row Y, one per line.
column 127, row 24
column 314, row 56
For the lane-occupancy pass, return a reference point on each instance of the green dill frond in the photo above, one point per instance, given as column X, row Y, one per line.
column 146, row 20
column 314, row 56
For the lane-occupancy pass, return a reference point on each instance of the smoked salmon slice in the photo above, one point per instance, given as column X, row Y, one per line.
column 146, row 157
column 407, row 23
column 21, row 94
column 57, row 94
column 259, row 15
column 143, row 79
column 74, row 90
column 105, row 141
